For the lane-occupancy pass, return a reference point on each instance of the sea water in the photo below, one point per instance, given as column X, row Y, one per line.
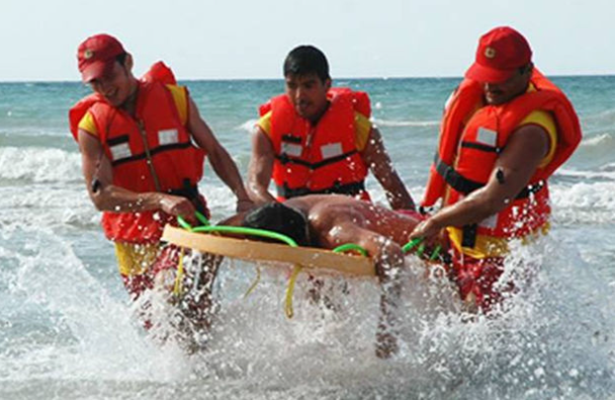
column 68, row 331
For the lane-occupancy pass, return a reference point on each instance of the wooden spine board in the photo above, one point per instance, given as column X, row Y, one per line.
column 311, row 258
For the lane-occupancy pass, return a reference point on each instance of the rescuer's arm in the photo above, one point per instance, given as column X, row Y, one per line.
column 220, row 160
column 261, row 167
column 515, row 166
column 98, row 174
column 378, row 161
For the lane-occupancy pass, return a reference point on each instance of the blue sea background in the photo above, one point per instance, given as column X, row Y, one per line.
column 67, row 329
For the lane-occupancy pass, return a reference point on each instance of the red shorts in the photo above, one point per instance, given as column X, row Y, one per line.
column 477, row 278
column 168, row 258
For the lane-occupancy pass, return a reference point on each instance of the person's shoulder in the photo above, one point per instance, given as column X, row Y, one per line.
column 264, row 123
column 363, row 128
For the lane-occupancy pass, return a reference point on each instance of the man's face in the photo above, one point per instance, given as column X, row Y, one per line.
column 503, row 92
column 115, row 86
column 308, row 94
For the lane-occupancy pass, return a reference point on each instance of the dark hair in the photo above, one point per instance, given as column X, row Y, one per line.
column 121, row 58
column 279, row 218
column 526, row 68
column 304, row 60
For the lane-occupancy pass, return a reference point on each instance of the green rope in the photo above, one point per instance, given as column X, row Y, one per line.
column 247, row 231
column 411, row 244
column 350, row 247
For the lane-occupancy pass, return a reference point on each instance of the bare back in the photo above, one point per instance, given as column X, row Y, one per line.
column 335, row 219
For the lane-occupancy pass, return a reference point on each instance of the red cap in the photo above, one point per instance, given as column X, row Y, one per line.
column 501, row 52
column 97, row 54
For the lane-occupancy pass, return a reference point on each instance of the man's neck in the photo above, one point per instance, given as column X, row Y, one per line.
column 314, row 121
column 130, row 105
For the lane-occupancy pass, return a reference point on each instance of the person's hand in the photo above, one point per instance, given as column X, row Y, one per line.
column 244, row 205
column 178, row 206
column 432, row 235
column 426, row 230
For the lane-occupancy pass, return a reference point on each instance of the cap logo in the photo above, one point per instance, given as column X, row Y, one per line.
column 490, row 52
column 88, row 54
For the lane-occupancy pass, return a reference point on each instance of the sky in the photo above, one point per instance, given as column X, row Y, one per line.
column 232, row 39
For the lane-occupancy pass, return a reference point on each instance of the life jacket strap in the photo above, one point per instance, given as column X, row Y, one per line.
column 350, row 189
column 285, row 159
column 466, row 186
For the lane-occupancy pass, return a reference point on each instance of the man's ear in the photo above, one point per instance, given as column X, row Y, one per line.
column 128, row 62
column 328, row 83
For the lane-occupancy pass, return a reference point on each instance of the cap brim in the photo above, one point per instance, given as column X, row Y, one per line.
column 481, row 73
column 96, row 70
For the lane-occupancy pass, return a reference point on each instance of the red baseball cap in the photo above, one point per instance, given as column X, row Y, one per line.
column 501, row 52
column 97, row 54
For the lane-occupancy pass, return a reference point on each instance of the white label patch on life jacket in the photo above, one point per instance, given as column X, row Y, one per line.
column 331, row 150
column 292, row 149
column 120, row 150
column 489, row 222
column 487, row 136
column 168, row 136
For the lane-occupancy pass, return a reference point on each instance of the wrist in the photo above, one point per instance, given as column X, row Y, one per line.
column 436, row 222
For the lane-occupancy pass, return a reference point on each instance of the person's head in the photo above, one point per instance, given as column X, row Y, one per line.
column 503, row 65
column 107, row 68
column 279, row 218
column 306, row 72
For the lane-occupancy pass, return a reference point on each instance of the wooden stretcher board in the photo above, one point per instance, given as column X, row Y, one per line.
column 308, row 257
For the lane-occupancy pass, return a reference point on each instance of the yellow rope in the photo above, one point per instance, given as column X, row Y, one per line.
column 177, row 289
column 256, row 281
column 288, row 303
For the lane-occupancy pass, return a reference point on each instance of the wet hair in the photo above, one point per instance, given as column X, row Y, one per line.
column 305, row 60
column 279, row 218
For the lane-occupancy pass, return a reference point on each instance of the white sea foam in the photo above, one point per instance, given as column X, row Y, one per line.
column 605, row 172
column 39, row 164
column 248, row 125
column 598, row 140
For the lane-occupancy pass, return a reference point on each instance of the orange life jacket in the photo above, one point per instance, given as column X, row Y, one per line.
column 322, row 158
column 155, row 133
column 471, row 137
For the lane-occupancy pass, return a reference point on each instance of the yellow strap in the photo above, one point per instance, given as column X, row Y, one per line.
column 288, row 303
column 177, row 289
column 256, row 281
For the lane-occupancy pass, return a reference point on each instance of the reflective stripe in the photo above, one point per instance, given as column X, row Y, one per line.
column 487, row 136
column 292, row 149
column 120, row 151
column 331, row 150
column 168, row 136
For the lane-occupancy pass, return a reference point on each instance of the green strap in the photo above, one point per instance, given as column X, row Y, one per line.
column 247, row 231
column 350, row 247
column 411, row 245
column 184, row 224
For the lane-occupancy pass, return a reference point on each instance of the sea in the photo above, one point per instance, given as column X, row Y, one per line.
column 69, row 331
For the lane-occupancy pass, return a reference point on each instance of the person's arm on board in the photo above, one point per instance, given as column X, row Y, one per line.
column 261, row 167
column 98, row 175
column 220, row 160
column 521, row 157
column 377, row 159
